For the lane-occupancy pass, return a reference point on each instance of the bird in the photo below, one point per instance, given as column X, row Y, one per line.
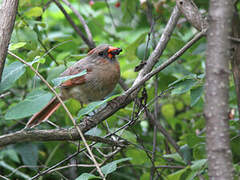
column 101, row 77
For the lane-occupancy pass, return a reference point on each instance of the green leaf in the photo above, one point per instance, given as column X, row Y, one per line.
column 197, row 165
column 168, row 111
column 55, row 72
column 196, row 94
column 138, row 157
column 34, row 12
column 128, row 9
column 38, row 59
column 200, row 48
column 189, row 76
column 128, row 136
column 179, row 105
column 184, row 86
column 199, row 151
column 14, row 169
column 60, row 80
column 33, row 103
column 15, row 46
column 11, row 73
column 131, row 49
column 141, row 50
column 192, row 139
column 26, row 34
column 112, row 166
column 94, row 132
column 186, row 152
column 174, row 156
column 145, row 176
column 177, row 175
column 28, row 153
column 90, row 107
column 11, row 153
column 86, row 176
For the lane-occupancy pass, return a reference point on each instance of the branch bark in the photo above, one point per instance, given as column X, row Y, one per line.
column 51, row 135
column 8, row 13
column 192, row 14
column 216, row 89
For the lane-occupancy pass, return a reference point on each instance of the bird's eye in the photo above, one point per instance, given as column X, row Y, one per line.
column 101, row 53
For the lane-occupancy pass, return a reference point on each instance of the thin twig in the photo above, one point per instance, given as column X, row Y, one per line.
column 163, row 131
column 71, row 165
column 81, row 19
column 123, row 85
column 79, row 151
column 75, row 27
column 21, row 167
column 3, row 164
column 5, row 94
column 110, row 13
column 171, row 167
column 153, row 168
column 5, row 178
column 109, row 157
column 237, row 40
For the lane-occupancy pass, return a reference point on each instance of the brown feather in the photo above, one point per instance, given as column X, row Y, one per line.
column 75, row 81
column 44, row 114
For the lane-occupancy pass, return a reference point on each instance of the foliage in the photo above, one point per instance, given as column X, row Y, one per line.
column 43, row 37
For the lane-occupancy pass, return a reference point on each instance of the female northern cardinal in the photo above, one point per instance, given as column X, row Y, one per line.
column 103, row 73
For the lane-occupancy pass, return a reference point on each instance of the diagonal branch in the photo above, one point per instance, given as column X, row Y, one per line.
column 192, row 14
column 90, row 44
column 154, row 57
column 81, row 19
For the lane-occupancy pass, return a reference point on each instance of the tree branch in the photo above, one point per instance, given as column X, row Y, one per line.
column 154, row 57
column 51, row 135
column 192, row 14
column 90, row 44
column 8, row 13
column 216, row 90
column 81, row 19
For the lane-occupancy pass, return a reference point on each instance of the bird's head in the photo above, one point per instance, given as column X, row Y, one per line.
column 105, row 51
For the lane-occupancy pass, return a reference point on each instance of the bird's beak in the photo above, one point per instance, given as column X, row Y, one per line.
column 114, row 51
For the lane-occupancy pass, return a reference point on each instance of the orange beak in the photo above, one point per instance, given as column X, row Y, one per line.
column 112, row 51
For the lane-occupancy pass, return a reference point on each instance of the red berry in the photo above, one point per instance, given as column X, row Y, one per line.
column 118, row 4
column 91, row 2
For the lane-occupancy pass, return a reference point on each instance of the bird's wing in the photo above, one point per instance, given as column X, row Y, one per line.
column 75, row 69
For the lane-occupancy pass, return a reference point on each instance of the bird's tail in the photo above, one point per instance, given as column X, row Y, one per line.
column 44, row 114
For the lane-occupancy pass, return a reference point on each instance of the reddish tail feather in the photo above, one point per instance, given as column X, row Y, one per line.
column 44, row 114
